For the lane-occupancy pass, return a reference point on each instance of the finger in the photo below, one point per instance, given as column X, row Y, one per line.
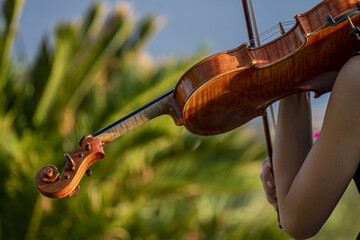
column 268, row 174
column 272, row 201
column 270, row 192
column 267, row 179
column 268, row 185
column 266, row 162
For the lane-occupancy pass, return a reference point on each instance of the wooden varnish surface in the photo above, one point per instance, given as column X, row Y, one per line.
column 221, row 102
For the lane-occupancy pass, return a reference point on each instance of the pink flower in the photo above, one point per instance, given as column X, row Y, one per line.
column 317, row 133
column 305, row 88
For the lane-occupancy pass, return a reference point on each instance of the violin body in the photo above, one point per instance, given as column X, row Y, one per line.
column 228, row 89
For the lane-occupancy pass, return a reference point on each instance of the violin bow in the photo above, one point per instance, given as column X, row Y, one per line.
column 257, row 41
column 250, row 31
column 252, row 39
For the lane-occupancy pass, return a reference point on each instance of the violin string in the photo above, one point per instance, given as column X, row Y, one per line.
column 272, row 31
column 276, row 26
column 290, row 21
column 269, row 30
column 275, row 33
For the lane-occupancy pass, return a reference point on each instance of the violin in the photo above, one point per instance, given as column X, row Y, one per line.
column 228, row 89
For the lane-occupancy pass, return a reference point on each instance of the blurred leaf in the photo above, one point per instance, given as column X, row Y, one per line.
column 90, row 24
column 111, row 37
column 58, row 71
column 157, row 182
column 11, row 11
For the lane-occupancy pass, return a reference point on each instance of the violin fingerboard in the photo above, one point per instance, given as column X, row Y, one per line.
column 151, row 110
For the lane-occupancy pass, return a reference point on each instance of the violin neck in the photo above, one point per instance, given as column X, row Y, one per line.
column 156, row 107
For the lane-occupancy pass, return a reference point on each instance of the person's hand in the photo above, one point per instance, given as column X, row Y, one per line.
column 268, row 183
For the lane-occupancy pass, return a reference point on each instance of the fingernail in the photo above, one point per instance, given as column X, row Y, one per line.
column 269, row 184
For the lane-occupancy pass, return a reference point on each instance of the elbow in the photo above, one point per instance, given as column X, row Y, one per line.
column 299, row 228
column 297, row 232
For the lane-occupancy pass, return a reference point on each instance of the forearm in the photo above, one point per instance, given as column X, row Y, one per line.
column 310, row 180
column 293, row 140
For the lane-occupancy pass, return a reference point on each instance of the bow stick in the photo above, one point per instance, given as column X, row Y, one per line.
column 250, row 28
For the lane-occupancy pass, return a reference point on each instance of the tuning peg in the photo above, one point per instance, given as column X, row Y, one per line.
column 89, row 172
column 70, row 161
column 75, row 191
column 88, row 146
column 83, row 138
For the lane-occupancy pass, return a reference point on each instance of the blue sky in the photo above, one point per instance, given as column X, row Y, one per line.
column 190, row 23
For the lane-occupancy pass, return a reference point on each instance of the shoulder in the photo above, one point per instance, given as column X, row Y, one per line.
column 345, row 94
column 343, row 112
column 351, row 71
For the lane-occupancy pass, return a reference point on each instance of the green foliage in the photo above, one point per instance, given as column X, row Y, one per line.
column 157, row 182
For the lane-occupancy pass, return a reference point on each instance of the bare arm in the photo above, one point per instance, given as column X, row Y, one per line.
column 310, row 180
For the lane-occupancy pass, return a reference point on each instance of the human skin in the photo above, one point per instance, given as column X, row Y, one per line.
column 311, row 178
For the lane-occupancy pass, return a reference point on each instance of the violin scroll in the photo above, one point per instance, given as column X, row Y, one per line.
column 51, row 184
column 49, row 174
